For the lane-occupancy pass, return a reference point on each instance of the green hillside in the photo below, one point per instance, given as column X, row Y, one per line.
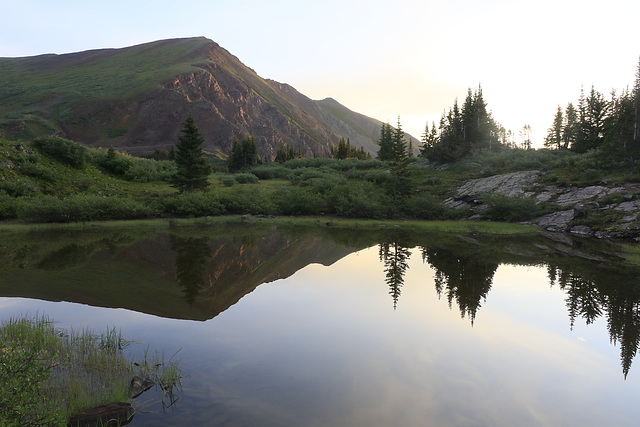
column 104, row 73
column 136, row 98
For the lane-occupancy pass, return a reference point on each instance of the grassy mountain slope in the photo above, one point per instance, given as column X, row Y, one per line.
column 136, row 99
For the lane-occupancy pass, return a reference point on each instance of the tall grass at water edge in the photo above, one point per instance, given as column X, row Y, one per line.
column 48, row 375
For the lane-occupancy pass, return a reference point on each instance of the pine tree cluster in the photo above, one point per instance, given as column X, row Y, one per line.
column 610, row 126
column 344, row 150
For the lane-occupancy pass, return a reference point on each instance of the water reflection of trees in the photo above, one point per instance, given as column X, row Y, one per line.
column 395, row 258
column 616, row 297
column 192, row 255
column 466, row 279
column 465, row 276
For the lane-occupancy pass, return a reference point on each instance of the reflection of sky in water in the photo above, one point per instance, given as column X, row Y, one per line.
column 325, row 347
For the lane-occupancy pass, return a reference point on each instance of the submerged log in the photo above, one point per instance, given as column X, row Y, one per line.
column 111, row 414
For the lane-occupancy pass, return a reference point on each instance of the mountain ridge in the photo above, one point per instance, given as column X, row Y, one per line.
column 136, row 98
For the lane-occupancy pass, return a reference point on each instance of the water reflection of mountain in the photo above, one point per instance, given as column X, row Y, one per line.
column 184, row 273
column 198, row 272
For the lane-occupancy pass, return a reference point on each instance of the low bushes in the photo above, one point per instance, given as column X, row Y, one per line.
column 192, row 204
column 512, row 209
column 61, row 149
column 78, row 208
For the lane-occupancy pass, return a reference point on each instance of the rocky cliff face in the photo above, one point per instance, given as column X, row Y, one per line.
column 137, row 98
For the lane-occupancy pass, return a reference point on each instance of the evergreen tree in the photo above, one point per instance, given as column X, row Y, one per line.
column 342, row 152
column 525, row 134
column 429, row 139
column 636, row 106
column 243, row 154
column 399, row 144
column 570, row 128
column 620, row 128
column 554, row 134
column 193, row 169
column 593, row 112
column 385, row 152
column 463, row 130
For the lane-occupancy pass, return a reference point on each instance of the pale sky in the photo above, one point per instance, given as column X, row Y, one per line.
column 382, row 58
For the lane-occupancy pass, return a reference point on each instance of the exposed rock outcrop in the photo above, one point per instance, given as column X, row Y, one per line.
column 616, row 207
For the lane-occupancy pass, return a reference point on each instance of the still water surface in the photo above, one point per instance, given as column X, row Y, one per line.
column 308, row 328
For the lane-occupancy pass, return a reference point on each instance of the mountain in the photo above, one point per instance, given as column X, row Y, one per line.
column 137, row 98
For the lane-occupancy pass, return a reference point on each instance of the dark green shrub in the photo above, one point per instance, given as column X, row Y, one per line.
column 17, row 188
column 247, row 200
column 360, row 199
column 146, row 170
column 327, row 183
column 193, row 204
column 80, row 208
column 228, row 181
column 8, row 207
column 40, row 171
column 271, row 171
column 246, row 178
column 512, row 209
column 113, row 161
column 378, row 177
column 426, row 207
column 65, row 151
column 294, row 200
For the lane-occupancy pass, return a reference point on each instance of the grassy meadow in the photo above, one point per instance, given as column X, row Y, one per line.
column 53, row 180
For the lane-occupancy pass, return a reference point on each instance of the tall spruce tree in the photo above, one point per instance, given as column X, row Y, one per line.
column 570, row 127
column 399, row 144
column 554, row 133
column 385, row 152
column 193, row 169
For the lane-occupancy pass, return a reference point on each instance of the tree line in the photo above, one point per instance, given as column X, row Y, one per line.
column 462, row 129
column 609, row 125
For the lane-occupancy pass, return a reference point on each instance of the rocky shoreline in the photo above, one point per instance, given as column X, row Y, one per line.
column 602, row 211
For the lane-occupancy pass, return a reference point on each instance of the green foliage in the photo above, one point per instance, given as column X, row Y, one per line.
column 80, row 208
column 24, row 397
column 41, row 172
column 113, row 161
column 285, row 154
column 144, row 170
column 360, row 199
column 428, row 207
column 294, row 200
column 228, row 181
column 49, row 375
column 247, row 200
column 245, row 178
column 512, row 209
column 344, row 150
column 243, row 154
column 17, row 188
column 271, row 171
column 192, row 204
column 385, row 153
column 463, row 130
column 193, row 169
column 61, row 149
